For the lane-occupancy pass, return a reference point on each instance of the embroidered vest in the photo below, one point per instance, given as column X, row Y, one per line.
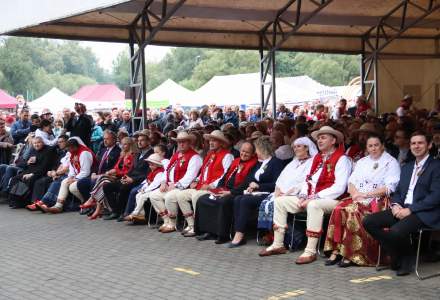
column 327, row 177
column 179, row 161
column 152, row 174
column 213, row 162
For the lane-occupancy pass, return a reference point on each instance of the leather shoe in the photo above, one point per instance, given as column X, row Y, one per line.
column 331, row 262
column 345, row 264
column 221, row 240
column 112, row 216
column 406, row 266
column 206, row 236
column 302, row 260
column 52, row 210
column 168, row 229
column 275, row 251
column 234, row 245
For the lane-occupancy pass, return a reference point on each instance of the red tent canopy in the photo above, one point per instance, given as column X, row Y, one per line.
column 6, row 100
column 99, row 92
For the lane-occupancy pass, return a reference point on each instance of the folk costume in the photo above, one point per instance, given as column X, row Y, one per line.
column 181, row 171
column 325, row 183
column 214, row 212
column 345, row 231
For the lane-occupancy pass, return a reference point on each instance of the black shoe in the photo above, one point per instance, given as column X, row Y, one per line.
column 221, row 240
column 406, row 267
column 344, row 264
column 85, row 211
column 112, row 216
column 120, row 219
column 205, row 237
column 331, row 262
column 233, row 245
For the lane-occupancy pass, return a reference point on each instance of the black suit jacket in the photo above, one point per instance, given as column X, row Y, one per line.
column 426, row 194
column 140, row 167
column 111, row 160
column 270, row 175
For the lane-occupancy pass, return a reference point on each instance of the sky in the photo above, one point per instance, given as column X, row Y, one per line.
column 107, row 52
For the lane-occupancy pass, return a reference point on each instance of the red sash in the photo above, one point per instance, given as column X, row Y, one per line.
column 241, row 170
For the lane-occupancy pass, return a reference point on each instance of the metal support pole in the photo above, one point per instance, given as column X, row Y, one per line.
column 376, row 85
column 144, row 89
column 131, row 87
column 261, row 51
column 363, row 68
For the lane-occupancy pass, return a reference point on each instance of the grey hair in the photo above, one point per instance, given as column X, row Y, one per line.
column 112, row 133
column 264, row 145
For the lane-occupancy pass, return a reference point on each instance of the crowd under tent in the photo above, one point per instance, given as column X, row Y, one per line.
column 397, row 39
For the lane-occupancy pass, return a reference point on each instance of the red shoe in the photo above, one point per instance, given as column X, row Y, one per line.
column 94, row 217
column 32, row 207
column 41, row 206
column 90, row 205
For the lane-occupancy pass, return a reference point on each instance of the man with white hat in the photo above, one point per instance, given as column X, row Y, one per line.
column 215, row 165
column 325, row 183
column 183, row 168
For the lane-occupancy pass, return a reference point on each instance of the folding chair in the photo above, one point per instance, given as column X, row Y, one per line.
column 417, row 268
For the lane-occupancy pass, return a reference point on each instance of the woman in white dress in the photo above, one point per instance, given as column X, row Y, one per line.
column 374, row 178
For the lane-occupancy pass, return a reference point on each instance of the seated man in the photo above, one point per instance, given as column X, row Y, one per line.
column 415, row 204
column 82, row 161
column 215, row 165
column 181, row 171
column 325, row 183
column 107, row 158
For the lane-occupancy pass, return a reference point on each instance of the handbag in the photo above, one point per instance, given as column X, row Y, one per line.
column 19, row 189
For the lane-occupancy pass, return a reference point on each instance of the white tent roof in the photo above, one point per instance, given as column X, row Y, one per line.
column 243, row 89
column 172, row 92
column 55, row 100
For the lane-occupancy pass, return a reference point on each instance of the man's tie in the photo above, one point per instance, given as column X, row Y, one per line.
column 104, row 158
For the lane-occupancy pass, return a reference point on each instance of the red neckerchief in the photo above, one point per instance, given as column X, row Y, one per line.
column 241, row 170
column 152, row 174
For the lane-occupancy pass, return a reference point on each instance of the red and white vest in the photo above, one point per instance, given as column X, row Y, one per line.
column 179, row 161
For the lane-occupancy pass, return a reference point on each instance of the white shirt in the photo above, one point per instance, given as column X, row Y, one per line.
column 157, row 180
column 370, row 174
column 226, row 162
column 48, row 139
column 65, row 160
column 194, row 165
column 418, row 167
column 293, row 176
column 86, row 162
column 342, row 172
column 284, row 152
column 262, row 168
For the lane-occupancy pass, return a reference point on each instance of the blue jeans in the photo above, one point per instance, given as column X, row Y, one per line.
column 6, row 173
column 50, row 198
column 131, row 203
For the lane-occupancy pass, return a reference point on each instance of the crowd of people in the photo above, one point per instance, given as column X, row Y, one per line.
column 225, row 173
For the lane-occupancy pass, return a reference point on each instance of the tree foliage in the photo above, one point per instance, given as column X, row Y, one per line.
column 193, row 67
column 33, row 66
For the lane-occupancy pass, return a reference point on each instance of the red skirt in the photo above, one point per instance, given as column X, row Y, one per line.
column 347, row 235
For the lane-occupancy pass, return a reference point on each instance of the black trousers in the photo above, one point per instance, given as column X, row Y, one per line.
column 214, row 215
column 117, row 195
column 244, row 206
column 40, row 187
column 396, row 238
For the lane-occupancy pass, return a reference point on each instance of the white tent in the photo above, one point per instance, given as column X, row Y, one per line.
column 170, row 93
column 55, row 100
column 245, row 89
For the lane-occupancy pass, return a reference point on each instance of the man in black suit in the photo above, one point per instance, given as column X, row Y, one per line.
column 107, row 158
column 414, row 205
column 117, row 192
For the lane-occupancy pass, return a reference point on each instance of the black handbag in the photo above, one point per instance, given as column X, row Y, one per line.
column 19, row 189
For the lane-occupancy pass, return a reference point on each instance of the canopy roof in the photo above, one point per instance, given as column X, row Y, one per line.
column 240, row 89
column 339, row 27
column 55, row 100
column 169, row 92
column 99, row 93
column 6, row 100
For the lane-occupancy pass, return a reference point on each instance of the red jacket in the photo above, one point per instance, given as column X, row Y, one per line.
column 124, row 164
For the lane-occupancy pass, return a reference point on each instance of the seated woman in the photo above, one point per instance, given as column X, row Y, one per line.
column 123, row 165
column 290, row 181
column 46, row 134
column 213, row 215
column 262, row 184
column 374, row 177
column 153, row 181
column 36, row 167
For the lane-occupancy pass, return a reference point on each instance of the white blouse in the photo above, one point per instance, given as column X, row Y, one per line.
column 294, row 175
column 370, row 174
